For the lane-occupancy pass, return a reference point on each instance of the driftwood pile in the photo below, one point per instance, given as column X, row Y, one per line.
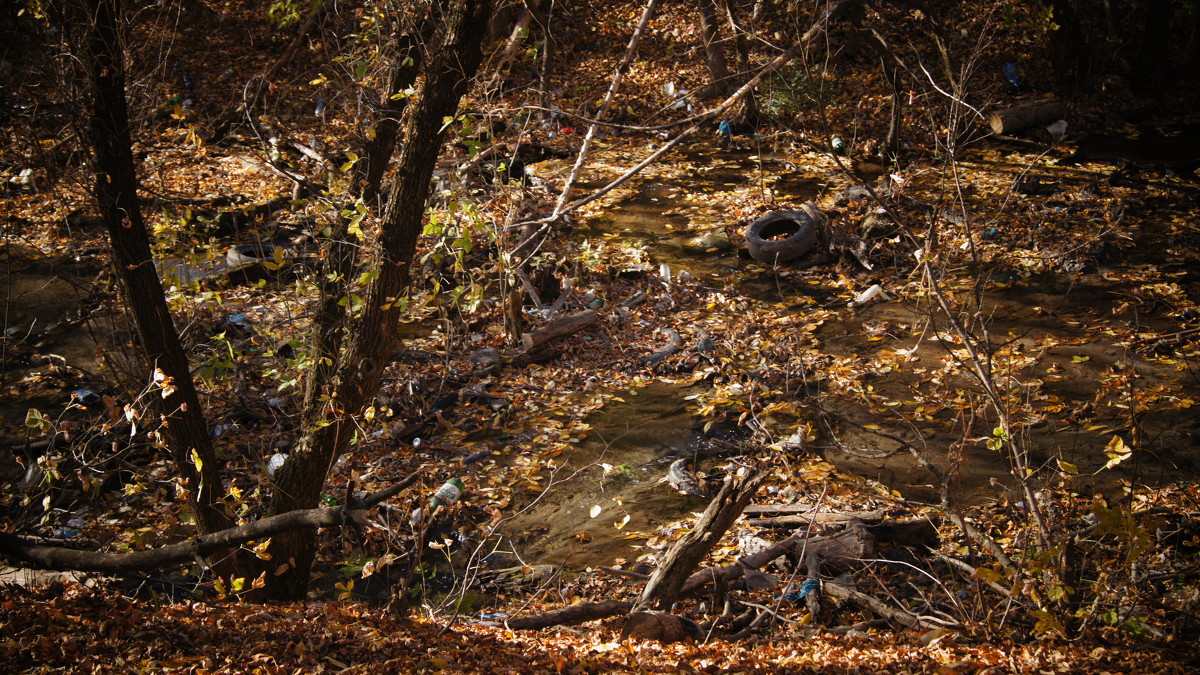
column 819, row 557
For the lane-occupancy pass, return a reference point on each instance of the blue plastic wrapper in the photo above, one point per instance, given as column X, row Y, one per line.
column 809, row 585
column 1012, row 75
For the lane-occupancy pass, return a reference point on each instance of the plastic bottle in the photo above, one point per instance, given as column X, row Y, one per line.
column 868, row 295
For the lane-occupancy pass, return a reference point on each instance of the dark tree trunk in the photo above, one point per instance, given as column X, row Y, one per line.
column 748, row 108
column 714, row 52
column 360, row 369
column 1193, row 51
column 1151, row 71
column 1069, row 52
column 891, row 145
column 183, row 426
column 405, row 66
column 549, row 53
column 340, row 246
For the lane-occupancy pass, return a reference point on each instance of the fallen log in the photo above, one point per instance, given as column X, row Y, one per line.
column 541, row 355
column 665, row 583
column 767, row 509
column 846, row 544
column 58, row 558
column 907, row 532
column 821, row 518
column 880, row 608
column 1024, row 116
column 559, row 328
column 569, row 616
column 674, row 344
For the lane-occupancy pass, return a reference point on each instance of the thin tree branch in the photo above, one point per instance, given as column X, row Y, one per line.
column 59, row 558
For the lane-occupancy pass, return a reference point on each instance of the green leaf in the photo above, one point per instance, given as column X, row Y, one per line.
column 35, row 420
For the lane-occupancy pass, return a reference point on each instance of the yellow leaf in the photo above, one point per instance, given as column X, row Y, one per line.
column 261, row 550
column 988, row 574
column 1116, row 451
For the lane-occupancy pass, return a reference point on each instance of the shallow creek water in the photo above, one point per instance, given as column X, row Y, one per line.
column 619, row 468
column 666, row 218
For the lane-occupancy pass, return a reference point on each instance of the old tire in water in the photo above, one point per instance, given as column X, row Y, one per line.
column 248, row 253
column 781, row 236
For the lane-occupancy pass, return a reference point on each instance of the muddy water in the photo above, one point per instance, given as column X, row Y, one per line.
column 41, row 301
column 619, row 468
column 682, row 220
column 1069, row 369
column 667, row 216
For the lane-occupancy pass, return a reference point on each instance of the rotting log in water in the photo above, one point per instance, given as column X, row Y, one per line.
column 674, row 344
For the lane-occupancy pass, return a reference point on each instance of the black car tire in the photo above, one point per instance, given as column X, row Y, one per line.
column 781, row 236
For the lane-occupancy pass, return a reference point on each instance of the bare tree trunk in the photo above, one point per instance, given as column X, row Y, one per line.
column 184, row 429
column 1069, row 52
column 301, row 35
column 406, row 65
column 340, row 246
column 1153, row 68
column 613, row 87
column 549, row 44
column 748, row 108
column 519, row 32
column 360, row 368
column 714, row 52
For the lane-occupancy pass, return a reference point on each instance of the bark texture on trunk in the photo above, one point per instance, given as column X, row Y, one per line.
column 714, row 51
column 183, row 425
column 360, row 368
column 1024, row 116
